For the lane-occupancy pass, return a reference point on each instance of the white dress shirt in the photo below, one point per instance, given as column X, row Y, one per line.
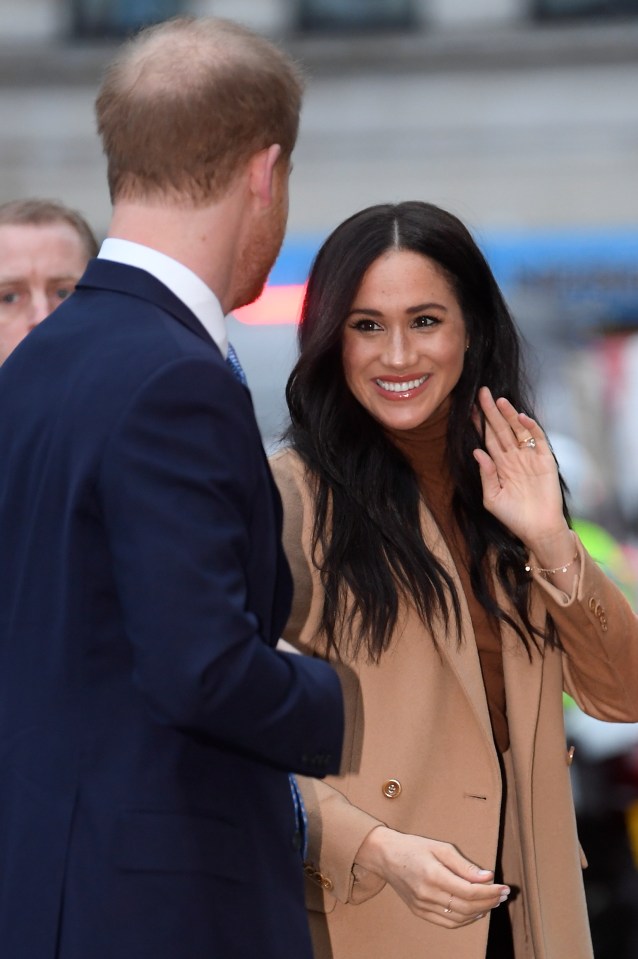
column 181, row 281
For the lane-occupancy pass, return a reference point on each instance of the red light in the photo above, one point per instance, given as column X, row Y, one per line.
column 277, row 304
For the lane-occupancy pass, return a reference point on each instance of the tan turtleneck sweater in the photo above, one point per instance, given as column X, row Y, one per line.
column 425, row 448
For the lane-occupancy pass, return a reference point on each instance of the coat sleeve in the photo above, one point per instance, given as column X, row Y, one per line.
column 336, row 828
column 181, row 484
column 599, row 633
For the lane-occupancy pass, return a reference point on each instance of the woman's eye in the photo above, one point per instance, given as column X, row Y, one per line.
column 365, row 325
column 63, row 293
column 420, row 322
column 9, row 298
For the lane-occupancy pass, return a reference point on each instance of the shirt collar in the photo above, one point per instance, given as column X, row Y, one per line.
column 179, row 279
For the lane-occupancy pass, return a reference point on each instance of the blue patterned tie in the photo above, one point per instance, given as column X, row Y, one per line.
column 301, row 819
column 300, row 816
column 233, row 361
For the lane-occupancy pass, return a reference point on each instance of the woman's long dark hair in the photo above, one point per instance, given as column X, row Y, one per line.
column 367, row 537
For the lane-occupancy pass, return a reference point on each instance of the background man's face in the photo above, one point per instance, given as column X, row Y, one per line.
column 39, row 267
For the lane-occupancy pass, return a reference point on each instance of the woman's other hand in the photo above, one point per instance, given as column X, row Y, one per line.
column 434, row 880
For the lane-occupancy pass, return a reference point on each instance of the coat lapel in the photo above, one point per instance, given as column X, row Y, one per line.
column 523, row 679
column 462, row 657
column 523, row 685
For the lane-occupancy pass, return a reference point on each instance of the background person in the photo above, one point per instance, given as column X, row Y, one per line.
column 44, row 249
column 147, row 723
column 432, row 555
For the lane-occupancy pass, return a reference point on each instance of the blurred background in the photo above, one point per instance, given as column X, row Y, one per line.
column 520, row 116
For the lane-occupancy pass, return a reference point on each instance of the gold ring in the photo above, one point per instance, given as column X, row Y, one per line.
column 528, row 442
column 449, row 905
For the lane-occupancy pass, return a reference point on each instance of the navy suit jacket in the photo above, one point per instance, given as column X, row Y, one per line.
column 147, row 724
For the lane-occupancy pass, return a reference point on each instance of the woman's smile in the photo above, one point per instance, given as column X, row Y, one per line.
column 401, row 388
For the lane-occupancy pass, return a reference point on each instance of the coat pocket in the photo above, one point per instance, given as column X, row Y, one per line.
column 178, row 842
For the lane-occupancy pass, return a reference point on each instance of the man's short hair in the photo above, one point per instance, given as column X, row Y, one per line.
column 188, row 102
column 37, row 212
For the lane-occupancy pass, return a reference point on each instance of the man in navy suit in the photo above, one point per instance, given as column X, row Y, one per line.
column 147, row 721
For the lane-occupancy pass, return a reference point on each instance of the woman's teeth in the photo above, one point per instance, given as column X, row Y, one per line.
column 401, row 387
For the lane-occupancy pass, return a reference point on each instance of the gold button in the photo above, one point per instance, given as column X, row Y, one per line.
column 570, row 755
column 326, row 883
column 592, row 604
column 391, row 788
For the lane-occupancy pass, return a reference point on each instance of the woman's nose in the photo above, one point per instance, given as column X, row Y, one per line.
column 400, row 351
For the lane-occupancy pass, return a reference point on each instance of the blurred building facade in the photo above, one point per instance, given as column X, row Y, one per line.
column 50, row 19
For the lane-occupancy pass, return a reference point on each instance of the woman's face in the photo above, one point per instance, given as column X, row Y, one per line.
column 404, row 340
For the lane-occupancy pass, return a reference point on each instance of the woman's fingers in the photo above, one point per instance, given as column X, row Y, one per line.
column 519, row 476
column 507, row 427
column 433, row 878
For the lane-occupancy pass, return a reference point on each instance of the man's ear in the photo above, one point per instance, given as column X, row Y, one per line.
column 261, row 173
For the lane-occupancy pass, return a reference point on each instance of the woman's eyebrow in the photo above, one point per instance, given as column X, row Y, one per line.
column 426, row 306
column 366, row 311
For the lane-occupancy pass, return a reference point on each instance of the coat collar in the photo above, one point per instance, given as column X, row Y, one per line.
column 104, row 274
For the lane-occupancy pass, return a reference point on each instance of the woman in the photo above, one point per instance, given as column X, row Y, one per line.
column 434, row 564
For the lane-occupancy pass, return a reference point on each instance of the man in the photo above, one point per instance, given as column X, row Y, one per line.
column 147, row 722
column 44, row 249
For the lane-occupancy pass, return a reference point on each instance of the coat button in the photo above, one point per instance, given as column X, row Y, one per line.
column 570, row 755
column 391, row 788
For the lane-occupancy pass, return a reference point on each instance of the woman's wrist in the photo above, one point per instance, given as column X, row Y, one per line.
column 558, row 562
column 554, row 552
column 370, row 854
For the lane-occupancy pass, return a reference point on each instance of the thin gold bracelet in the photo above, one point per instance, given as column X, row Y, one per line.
column 557, row 569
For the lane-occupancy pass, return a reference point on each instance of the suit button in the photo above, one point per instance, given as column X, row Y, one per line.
column 391, row 788
column 327, row 883
column 570, row 755
column 592, row 604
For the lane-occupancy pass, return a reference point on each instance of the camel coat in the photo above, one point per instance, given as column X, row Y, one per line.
column 419, row 756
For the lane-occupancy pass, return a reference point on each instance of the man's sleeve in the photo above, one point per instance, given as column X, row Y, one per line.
column 178, row 486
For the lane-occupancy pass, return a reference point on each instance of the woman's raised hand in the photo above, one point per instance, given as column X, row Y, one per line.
column 520, row 481
column 434, row 880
